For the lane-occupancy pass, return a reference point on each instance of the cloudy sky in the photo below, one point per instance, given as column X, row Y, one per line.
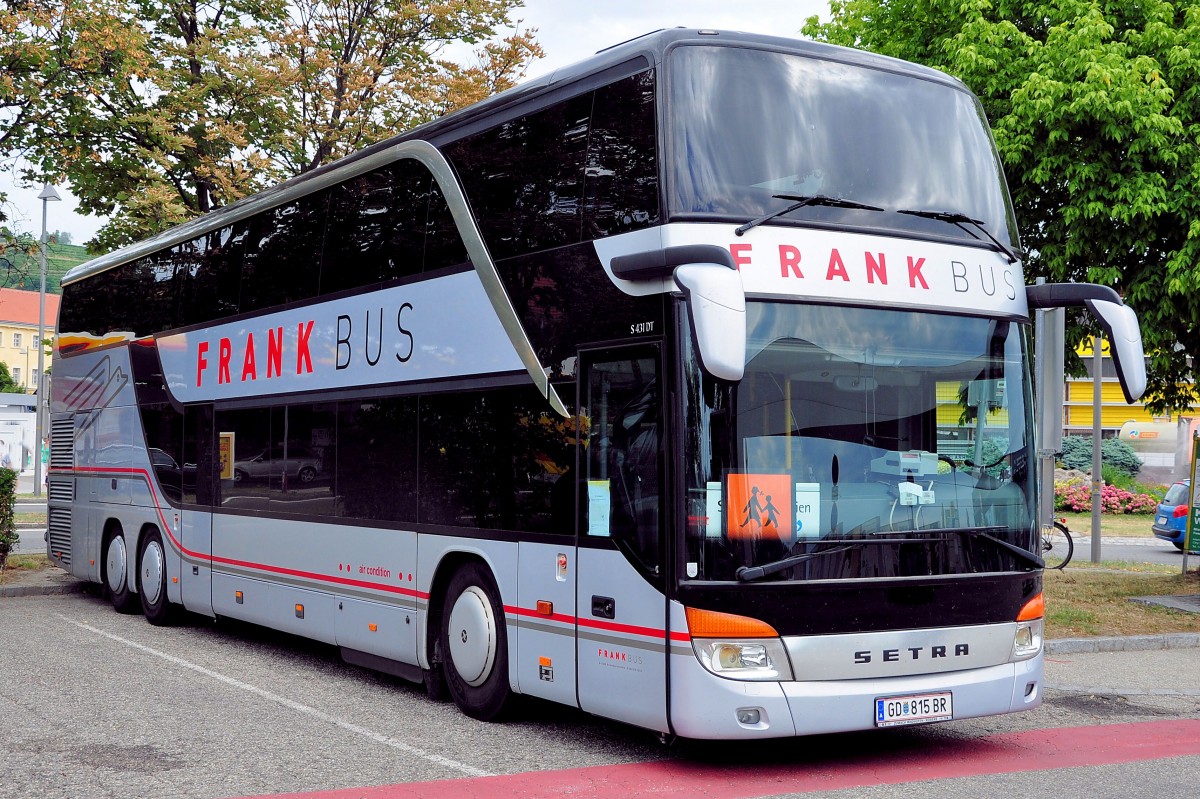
column 569, row 30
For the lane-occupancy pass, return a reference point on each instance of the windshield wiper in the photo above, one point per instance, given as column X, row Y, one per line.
column 959, row 219
column 1022, row 554
column 800, row 202
column 748, row 574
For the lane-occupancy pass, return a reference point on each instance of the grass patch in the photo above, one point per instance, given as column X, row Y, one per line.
column 1124, row 525
column 23, row 563
column 1123, row 565
column 29, row 518
column 1094, row 602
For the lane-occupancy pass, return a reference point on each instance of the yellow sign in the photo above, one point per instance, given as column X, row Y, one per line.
column 1085, row 350
column 225, row 451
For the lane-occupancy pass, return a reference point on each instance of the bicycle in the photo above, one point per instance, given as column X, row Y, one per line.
column 1050, row 545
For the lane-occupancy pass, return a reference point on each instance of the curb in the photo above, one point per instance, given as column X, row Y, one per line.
column 1128, row 643
column 65, row 587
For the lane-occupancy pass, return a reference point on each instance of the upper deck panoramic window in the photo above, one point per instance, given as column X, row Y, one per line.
column 746, row 125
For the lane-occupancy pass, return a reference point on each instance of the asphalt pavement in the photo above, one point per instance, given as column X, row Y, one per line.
column 96, row 703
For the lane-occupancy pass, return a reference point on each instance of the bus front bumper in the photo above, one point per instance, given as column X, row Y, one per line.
column 710, row 707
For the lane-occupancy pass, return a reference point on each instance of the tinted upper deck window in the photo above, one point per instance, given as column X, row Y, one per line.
column 747, row 125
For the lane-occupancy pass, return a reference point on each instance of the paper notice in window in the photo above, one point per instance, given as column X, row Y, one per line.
column 808, row 510
column 599, row 506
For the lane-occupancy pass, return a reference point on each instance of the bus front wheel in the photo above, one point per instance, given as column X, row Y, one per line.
column 116, row 571
column 474, row 644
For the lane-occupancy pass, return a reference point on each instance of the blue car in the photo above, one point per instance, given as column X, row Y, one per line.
column 1170, row 520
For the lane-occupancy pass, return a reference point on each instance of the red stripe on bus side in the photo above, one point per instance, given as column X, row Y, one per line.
column 245, row 564
column 627, row 629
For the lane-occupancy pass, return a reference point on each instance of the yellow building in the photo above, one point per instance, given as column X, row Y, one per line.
column 1079, row 400
column 19, row 332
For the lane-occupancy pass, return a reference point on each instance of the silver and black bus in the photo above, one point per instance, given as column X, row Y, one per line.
column 688, row 385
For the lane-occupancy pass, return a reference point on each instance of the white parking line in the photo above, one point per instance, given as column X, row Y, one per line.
column 288, row 703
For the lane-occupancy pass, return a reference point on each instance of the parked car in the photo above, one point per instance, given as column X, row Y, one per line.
column 300, row 463
column 175, row 480
column 1170, row 520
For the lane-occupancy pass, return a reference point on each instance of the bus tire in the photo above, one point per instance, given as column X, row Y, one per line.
column 116, row 571
column 152, row 580
column 474, row 644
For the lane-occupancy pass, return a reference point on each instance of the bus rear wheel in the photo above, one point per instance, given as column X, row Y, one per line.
column 152, row 580
column 474, row 644
column 116, row 571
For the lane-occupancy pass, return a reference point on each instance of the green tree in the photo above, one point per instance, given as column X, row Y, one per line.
column 7, row 384
column 362, row 70
column 158, row 110
column 1096, row 113
column 18, row 252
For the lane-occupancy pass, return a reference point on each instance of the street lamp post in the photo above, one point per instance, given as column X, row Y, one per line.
column 48, row 194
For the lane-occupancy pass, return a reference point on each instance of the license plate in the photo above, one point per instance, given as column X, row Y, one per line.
column 891, row 711
column 1162, row 519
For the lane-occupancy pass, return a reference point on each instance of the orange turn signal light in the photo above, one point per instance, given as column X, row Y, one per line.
column 1034, row 609
column 712, row 624
column 545, row 607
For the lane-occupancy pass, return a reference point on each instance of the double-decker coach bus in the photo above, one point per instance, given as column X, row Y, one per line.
column 689, row 385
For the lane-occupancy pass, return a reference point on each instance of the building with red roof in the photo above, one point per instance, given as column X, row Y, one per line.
column 19, row 332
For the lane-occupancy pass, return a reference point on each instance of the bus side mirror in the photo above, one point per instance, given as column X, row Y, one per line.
column 1118, row 320
column 1125, row 338
column 716, row 300
column 717, row 305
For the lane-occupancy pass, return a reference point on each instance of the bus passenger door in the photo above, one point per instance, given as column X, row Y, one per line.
column 622, row 610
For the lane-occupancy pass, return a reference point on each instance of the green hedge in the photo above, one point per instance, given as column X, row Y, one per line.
column 8, row 517
column 1077, row 454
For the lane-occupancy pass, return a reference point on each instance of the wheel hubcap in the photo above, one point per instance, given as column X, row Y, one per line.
column 472, row 636
column 152, row 572
column 115, row 563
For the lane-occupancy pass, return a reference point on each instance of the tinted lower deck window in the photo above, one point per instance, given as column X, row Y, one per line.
column 492, row 459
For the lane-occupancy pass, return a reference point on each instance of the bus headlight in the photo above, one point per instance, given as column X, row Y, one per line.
column 755, row 659
column 1028, row 640
column 1030, row 625
column 738, row 647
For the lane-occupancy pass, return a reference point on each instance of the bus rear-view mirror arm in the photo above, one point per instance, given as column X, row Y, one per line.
column 712, row 288
column 1118, row 320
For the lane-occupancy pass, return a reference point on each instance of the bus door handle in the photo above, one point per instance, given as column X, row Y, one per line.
column 604, row 606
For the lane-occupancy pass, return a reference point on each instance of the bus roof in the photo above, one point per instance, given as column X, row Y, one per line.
column 649, row 49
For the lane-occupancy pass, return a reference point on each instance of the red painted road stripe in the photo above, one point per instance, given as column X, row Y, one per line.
column 1037, row 750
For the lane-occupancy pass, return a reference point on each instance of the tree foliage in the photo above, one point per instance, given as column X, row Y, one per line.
column 18, row 252
column 1095, row 107
column 7, row 384
column 158, row 110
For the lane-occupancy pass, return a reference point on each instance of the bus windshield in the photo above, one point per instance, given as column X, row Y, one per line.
column 882, row 443
column 751, row 131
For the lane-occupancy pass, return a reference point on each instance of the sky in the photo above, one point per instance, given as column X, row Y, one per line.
column 569, row 30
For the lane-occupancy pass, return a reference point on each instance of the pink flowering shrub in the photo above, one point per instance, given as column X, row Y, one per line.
column 1076, row 497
